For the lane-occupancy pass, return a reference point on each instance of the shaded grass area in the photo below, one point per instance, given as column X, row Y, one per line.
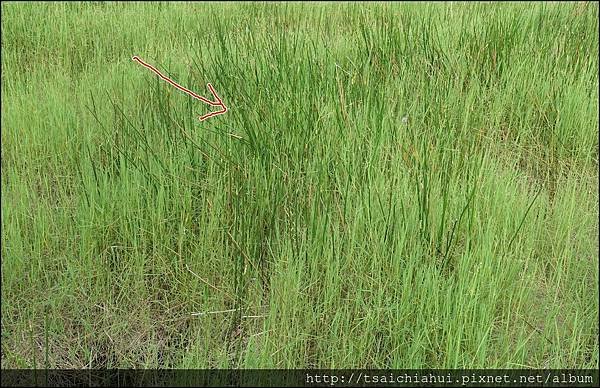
column 310, row 226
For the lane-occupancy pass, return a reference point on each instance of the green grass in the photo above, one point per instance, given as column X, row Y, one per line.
column 310, row 225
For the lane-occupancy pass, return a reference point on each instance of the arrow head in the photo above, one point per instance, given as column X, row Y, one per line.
column 218, row 102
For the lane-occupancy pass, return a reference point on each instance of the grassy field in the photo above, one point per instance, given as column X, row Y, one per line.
column 394, row 186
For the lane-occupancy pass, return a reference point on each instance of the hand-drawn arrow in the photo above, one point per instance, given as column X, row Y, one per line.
column 218, row 101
